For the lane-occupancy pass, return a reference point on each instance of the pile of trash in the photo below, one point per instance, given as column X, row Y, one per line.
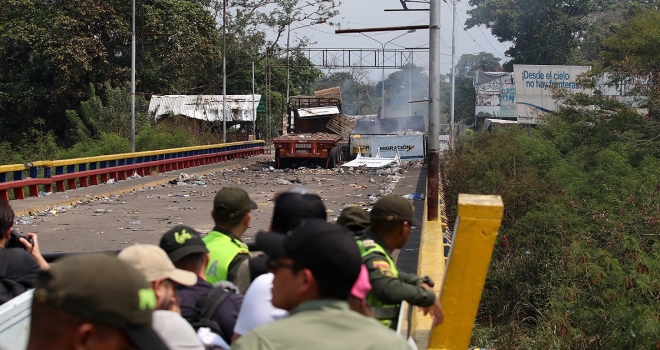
column 188, row 180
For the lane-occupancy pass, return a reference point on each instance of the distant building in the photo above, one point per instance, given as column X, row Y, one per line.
column 205, row 112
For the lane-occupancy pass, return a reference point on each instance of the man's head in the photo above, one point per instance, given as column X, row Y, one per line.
column 92, row 301
column 6, row 220
column 186, row 249
column 354, row 218
column 157, row 269
column 294, row 206
column 392, row 218
column 317, row 260
column 232, row 209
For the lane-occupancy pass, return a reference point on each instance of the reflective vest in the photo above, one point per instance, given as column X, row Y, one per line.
column 385, row 313
column 222, row 251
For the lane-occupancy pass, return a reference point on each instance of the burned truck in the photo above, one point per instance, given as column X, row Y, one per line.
column 316, row 131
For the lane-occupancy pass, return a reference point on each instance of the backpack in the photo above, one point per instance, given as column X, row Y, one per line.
column 8, row 288
column 206, row 307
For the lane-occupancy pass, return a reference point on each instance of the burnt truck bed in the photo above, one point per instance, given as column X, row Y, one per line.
column 321, row 148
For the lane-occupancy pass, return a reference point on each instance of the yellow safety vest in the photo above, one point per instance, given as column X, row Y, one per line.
column 385, row 313
column 222, row 251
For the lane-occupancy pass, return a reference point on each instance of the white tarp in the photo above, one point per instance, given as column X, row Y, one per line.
column 410, row 147
column 205, row 107
column 317, row 111
column 533, row 92
column 372, row 162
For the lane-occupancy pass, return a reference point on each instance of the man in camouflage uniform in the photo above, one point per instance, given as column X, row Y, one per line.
column 391, row 222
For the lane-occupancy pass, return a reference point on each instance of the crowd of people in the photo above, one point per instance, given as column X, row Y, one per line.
column 313, row 284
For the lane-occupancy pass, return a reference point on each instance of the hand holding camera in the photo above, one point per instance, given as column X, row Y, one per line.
column 20, row 240
column 30, row 243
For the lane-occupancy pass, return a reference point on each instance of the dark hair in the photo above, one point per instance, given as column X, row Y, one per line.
column 190, row 261
column 6, row 218
column 292, row 208
column 328, row 290
column 383, row 227
column 229, row 223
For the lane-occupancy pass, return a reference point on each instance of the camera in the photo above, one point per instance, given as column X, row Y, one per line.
column 13, row 239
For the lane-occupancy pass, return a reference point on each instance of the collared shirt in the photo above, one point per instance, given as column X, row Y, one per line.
column 389, row 289
column 225, row 315
column 322, row 324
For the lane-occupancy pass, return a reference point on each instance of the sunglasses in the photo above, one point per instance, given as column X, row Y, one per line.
column 274, row 264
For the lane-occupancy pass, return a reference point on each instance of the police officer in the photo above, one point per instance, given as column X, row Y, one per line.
column 391, row 221
column 232, row 211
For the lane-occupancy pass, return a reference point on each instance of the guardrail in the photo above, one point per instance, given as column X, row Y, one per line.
column 90, row 171
column 463, row 273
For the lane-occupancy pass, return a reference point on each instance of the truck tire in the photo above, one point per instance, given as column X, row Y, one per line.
column 278, row 160
column 333, row 157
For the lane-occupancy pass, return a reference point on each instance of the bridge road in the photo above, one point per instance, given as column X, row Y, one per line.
column 111, row 216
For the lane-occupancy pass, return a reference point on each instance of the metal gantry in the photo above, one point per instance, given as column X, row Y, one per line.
column 365, row 58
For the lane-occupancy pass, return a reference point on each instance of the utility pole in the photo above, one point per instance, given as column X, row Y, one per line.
column 254, row 109
column 433, row 177
column 452, row 132
column 224, row 72
column 382, row 75
column 133, row 82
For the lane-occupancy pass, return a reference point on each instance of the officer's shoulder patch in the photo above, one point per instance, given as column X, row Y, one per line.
column 368, row 243
column 384, row 267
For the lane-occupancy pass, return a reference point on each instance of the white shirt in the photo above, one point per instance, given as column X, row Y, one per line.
column 175, row 331
column 257, row 308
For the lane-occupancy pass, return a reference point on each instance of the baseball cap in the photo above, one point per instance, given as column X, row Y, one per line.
column 295, row 205
column 232, row 202
column 104, row 289
column 394, row 208
column 327, row 249
column 181, row 241
column 353, row 218
column 154, row 264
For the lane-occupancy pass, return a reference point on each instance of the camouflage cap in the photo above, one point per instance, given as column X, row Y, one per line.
column 104, row 289
column 354, row 218
column 232, row 202
column 394, row 208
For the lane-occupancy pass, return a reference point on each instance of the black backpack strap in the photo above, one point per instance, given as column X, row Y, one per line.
column 210, row 302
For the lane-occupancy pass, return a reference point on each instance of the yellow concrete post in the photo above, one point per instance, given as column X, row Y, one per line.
column 479, row 219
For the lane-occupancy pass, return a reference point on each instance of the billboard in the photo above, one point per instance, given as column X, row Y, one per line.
column 533, row 88
column 495, row 95
column 410, row 147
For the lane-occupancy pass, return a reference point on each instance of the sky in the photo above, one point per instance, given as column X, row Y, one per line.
column 370, row 14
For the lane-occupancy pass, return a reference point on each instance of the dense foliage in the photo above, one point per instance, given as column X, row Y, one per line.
column 578, row 253
column 579, row 245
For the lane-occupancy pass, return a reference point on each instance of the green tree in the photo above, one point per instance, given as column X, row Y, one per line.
column 631, row 53
column 468, row 64
column 541, row 31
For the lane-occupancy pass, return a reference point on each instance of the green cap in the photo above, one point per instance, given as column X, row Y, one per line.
column 394, row 208
column 354, row 218
column 232, row 202
column 103, row 289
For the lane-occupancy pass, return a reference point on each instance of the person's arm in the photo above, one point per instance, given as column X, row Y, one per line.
column 234, row 265
column 243, row 277
column 33, row 249
column 409, row 278
column 392, row 290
